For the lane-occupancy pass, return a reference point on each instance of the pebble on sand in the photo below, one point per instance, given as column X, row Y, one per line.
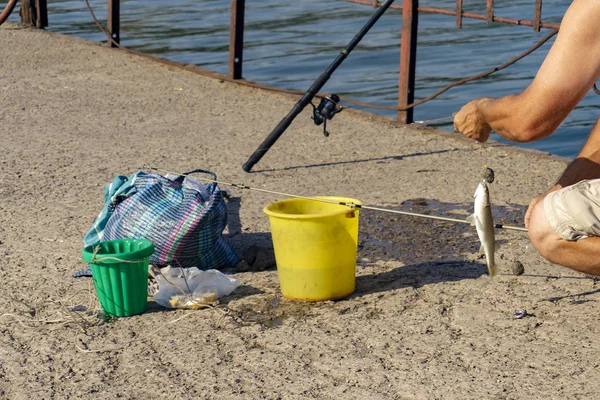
column 517, row 267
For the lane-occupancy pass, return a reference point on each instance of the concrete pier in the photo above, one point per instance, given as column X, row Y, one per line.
column 425, row 320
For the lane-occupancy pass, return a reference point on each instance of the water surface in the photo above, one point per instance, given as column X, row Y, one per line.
column 288, row 44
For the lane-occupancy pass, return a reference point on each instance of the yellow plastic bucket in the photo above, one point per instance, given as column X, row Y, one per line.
column 315, row 247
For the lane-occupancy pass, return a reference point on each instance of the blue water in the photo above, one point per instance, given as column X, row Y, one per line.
column 288, row 44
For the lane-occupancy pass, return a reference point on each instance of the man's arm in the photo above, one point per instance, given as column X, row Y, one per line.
column 567, row 74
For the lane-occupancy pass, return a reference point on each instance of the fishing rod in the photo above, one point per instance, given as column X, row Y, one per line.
column 328, row 107
column 350, row 205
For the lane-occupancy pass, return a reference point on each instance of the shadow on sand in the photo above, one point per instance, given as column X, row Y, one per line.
column 418, row 275
column 366, row 160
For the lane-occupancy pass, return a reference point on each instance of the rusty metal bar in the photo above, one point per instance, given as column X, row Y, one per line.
column 432, row 10
column 10, row 6
column 408, row 58
column 41, row 10
column 537, row 18
column 490, row 11
column 114, row 21
column 236, row 38
column 459, row 11
column 27, row 13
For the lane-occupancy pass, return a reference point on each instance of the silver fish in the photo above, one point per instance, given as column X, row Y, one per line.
column 483, row 221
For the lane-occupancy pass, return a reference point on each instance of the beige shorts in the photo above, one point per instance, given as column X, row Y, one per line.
column 574, row 211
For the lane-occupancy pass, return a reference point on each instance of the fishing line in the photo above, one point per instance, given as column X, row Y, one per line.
column 440, row 120
column 489, row 173
column 351, row 205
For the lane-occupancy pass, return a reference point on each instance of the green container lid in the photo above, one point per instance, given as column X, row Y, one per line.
column 120, row 274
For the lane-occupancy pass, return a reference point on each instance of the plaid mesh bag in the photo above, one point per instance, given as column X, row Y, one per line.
column 184, row 219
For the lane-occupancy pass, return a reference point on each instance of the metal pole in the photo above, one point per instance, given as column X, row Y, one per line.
column 41, row 18
column 114, row 21
column 538, row 15
column 490, row 10
column 408, row 58
column 236, row 38
column 4, row 14
column 27, row 13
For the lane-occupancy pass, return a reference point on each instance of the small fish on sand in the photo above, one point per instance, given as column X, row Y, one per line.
column 484, row 223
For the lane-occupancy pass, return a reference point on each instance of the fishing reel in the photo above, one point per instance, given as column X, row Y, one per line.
column 326, row 110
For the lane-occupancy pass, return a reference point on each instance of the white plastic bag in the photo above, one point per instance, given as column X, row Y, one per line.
column 192, row 287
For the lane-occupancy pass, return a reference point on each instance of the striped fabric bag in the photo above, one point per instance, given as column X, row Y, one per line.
column 184, row 219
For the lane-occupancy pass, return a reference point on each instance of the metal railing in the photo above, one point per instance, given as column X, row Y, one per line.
column 408, row 48
column 34, row 12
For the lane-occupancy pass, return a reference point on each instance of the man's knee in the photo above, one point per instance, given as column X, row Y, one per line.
column 543, row 237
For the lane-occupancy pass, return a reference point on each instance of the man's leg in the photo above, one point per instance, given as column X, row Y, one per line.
column 582, row 255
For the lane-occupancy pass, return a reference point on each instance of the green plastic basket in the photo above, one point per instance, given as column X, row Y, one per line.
column 120, row 274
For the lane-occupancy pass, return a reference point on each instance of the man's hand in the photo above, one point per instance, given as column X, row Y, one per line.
column 471, row 122
column 535, row 200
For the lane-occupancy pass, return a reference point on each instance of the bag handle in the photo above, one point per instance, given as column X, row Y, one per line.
column 196, row 171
